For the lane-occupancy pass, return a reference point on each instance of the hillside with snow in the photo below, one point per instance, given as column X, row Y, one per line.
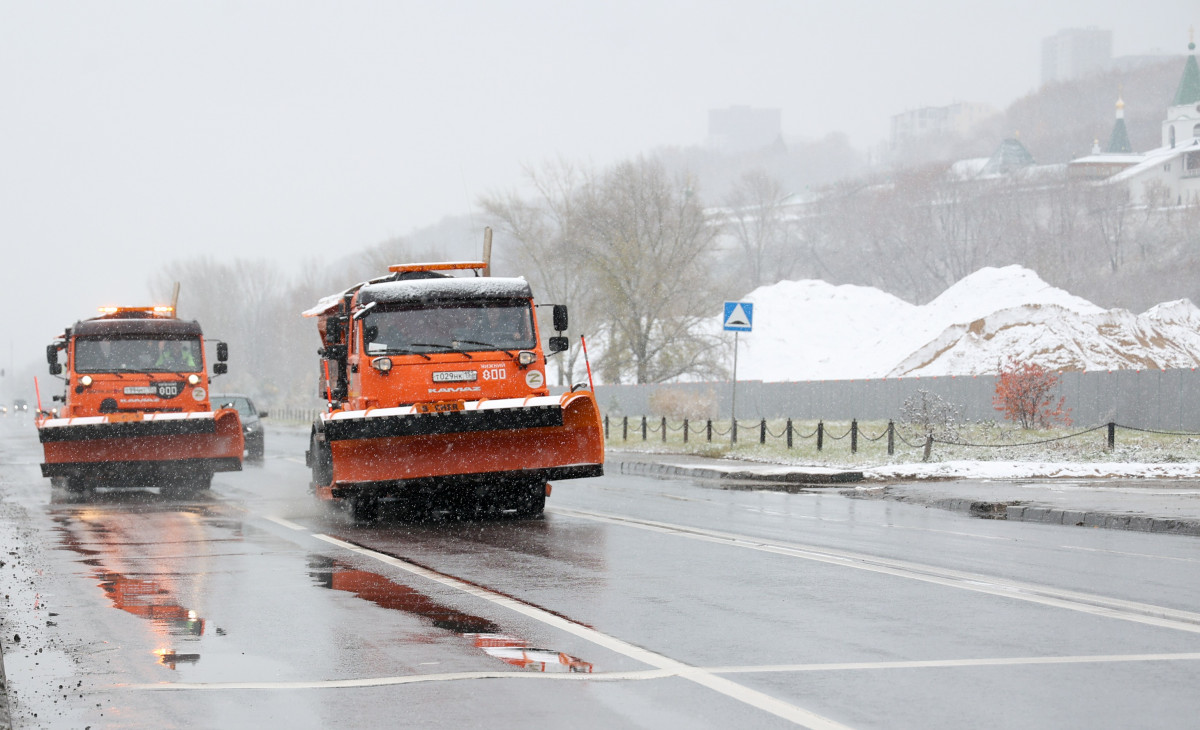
column 812, row 330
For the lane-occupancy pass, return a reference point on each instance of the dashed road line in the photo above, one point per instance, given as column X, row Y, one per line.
column 1097, row 605
column 286, row 523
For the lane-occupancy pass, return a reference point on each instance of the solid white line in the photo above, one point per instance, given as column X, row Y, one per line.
column 286, row 523
column 943, row 663
column 1144, row 613
column 648, row 674
column 410, row 679
column 724, row 686
column 1135, row 555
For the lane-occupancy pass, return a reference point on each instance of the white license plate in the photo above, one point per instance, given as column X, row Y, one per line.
column 455, row 376
column 140, row 390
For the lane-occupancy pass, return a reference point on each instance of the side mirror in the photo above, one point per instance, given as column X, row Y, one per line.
column 55, row 368
column 220, row 368
column 262, row 414
column 558, row 344
column 560, row 318
column 51, row 354
column 222, row 353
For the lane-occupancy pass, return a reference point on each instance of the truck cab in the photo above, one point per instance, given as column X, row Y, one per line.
column 419, row 341
column 133, row 360
column 136, row 407
column 436, row 388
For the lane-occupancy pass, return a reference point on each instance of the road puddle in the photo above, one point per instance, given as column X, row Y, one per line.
column 146, row 595
column 484, row 634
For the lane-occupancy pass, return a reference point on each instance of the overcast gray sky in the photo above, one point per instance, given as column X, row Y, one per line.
column 137, row 132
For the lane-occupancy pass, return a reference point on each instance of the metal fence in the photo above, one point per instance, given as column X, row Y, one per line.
column 1162, row 399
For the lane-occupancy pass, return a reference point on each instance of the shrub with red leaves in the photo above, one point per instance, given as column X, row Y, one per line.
column 1025, row 393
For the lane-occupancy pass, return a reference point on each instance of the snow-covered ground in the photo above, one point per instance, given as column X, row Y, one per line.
column 813, row 330
column 1034, row 470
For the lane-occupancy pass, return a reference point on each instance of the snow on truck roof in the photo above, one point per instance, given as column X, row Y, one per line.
column 438, row 288
column 111, row 327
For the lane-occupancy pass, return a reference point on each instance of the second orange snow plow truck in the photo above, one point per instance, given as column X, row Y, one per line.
column 438, row 396
column 136, row 412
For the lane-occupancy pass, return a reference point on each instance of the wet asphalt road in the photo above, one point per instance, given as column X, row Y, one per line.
column 632, row 603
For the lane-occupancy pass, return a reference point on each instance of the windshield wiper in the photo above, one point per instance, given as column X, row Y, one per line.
column 450, row 348
column 492, row 345
column 402, row 351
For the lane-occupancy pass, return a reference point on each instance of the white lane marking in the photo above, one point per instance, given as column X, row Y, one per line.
column 724, row 686
column 409, row 679
column 649, row 674
column 286, row 523
column 1145, row 613
column 1134, row 555
column 943, row 663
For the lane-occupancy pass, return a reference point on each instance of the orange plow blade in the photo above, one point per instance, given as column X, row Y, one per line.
column 110, row 445
column 546, row 437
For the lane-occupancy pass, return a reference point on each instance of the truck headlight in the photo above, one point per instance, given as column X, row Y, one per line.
column 85, row 381
column 526, row 357
column 193, row 379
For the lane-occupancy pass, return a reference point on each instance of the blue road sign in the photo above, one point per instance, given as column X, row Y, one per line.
column 739, row 316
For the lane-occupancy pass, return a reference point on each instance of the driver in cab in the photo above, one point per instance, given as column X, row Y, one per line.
column 175, row 356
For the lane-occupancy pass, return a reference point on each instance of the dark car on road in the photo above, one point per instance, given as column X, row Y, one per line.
column 251, row 417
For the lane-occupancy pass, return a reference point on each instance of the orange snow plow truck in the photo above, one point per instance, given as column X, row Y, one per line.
column 438, row 396
column 136, row 409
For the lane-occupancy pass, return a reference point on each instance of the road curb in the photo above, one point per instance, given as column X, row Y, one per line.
column 1107, row 520
column 790, row 478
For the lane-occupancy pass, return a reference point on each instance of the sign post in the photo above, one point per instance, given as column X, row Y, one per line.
column 739, row 317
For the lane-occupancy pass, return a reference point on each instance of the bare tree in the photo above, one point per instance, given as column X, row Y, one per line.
column 758, row 221
column 547, row 230
column 646, row 238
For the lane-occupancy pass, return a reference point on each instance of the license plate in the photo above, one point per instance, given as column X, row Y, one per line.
column 455, row 376
column 121, row 417
column 139, row 390
column 441, row 406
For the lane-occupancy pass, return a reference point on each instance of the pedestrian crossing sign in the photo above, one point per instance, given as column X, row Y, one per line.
column 739, row 316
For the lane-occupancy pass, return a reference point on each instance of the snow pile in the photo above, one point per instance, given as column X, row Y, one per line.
column 812, row 330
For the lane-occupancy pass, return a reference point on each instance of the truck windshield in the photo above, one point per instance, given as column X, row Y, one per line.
column 470, row 326
column 138, row 355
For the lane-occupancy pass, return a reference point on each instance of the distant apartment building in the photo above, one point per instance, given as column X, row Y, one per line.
column 742, row 128
column 936, row 121
column 1075, row 53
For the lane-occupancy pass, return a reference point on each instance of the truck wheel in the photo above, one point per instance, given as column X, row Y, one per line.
column 321, row 459
column 187, row 485
column 74, row 485
column 531, row 499
column 364, row 508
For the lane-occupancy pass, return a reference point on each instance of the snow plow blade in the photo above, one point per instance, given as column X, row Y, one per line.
column 118, row 444
column 543, row 437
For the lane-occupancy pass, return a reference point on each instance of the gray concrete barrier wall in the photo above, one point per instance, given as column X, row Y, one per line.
column 1156, row 399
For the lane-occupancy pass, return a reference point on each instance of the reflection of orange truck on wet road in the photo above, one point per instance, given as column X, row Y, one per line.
column 437, row 393
column 136, row 410
column 482, row 632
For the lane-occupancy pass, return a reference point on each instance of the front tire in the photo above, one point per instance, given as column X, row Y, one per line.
column 320, row 459
column 531, row 499
column 364, row 508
